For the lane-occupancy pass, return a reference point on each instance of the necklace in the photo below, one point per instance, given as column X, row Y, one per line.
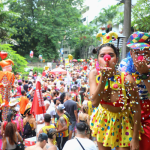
column 136, row 78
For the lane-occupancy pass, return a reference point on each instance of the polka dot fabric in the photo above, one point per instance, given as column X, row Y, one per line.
column 112, row 129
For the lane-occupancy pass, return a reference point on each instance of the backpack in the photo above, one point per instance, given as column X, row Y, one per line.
column 69, row 117
column 27, row 129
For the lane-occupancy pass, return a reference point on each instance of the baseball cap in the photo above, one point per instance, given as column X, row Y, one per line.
column 60, row 107
column 139, row 40
column 42, row 137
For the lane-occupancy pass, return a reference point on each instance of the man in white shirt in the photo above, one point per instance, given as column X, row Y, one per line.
column 80, row 139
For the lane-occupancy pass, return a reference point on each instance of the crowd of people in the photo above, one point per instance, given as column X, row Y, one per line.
column 96, row 105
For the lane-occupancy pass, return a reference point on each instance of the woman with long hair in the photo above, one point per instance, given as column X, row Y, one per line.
column 115, row 96
column 11, row 137
column 62, row 97
column 83, row 115
column 29, row 124
column 10, row 117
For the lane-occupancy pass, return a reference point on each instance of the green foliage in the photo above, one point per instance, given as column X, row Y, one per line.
column 38, row 69
column 106, row 15
column 19, row 61
column 82, row 36
column 43, row 24
column 141, row 15
column 5, row 19
column 25, row 75
column 29, row 59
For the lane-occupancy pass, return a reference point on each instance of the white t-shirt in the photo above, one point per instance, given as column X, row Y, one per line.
column 86, row 143
column 51, row 108
column 51, row 111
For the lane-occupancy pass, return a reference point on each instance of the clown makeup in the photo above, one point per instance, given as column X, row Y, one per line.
column 107, row 51
column 139, row 54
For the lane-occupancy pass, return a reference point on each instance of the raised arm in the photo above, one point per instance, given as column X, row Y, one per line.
column 135, row 104
column 96, row 91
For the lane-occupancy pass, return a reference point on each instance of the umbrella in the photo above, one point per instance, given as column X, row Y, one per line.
column 74, row 60
column 58, row 71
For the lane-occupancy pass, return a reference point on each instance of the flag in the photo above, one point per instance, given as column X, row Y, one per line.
column 66, row 62
column 38, row 106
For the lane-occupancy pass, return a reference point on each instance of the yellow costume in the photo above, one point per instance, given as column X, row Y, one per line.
column 113, row 129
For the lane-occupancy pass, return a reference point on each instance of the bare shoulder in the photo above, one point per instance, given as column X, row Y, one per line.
column 50, row 147
column 33, row 148
column 129, row 79
column 53, row 148
column 33, row 119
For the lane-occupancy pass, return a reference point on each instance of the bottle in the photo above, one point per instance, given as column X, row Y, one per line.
column 55, row 121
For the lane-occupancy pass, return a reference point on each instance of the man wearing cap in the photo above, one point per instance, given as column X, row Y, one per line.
column 137, row 64
column 42, row 140
column 62, row 127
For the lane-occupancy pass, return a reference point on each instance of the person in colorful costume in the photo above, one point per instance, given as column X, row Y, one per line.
column 113, row 93
column 6, row 82
column 137, row 64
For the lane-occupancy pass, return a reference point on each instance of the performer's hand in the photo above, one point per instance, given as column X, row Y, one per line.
column 134, row 145
column 142, row 67
column 106, row 72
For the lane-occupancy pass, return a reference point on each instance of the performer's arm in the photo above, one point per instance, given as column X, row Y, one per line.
column 136, row 108
column 97, row 91
column 147, row 84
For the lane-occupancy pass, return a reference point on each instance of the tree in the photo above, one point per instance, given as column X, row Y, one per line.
column 106, row 15
column 81, row 39
column 141, row 15
column 19, row 62
column 6, row 32
column 49, row 22
column 5, row 19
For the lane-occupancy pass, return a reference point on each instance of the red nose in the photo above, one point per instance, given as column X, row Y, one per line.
column 107, row 57
column 140, row 57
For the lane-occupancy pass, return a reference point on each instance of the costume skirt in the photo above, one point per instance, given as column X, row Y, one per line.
column 112, row 129
column 145, row 120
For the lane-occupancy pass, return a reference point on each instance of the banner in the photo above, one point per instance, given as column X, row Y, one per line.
column 61, row 51
column 66, row 62
column 38, row 106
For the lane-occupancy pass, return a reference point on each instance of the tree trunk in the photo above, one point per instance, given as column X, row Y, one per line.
column 126, row 26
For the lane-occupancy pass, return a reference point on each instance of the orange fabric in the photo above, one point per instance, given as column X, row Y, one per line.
column 8, row 74
column 5, row 63
column 23, row 102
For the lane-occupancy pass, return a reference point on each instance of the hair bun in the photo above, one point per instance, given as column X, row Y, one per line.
column 94, row 51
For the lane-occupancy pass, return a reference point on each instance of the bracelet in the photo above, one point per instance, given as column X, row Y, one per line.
column 144, row 76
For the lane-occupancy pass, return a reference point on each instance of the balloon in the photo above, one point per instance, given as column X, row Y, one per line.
column 85, row 68
column 40, row 57
column 70, row 57
column 3, row 55
column 31, row 54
